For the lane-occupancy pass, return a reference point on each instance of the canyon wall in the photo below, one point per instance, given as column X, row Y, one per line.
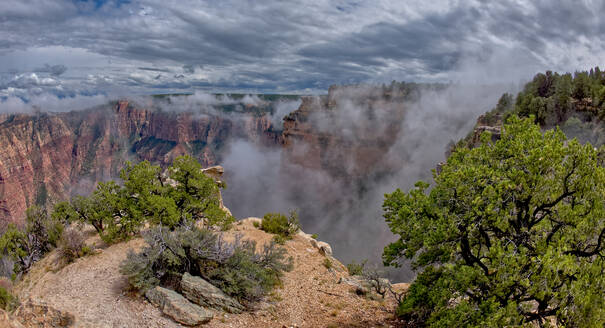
column 47, row 157
column 345, row 135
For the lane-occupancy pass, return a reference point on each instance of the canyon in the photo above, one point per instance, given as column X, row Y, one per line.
column 48, row 157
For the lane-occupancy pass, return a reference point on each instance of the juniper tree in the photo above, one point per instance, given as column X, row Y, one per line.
column 511, row 233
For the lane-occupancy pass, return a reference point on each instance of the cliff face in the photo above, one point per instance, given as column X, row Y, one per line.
column 47, row 157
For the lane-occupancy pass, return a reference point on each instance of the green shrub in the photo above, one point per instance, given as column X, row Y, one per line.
column 327, row 263
column 314, row 236
column 236, row 268
column 355, row 268
column 279, row 239
column 280, row 224
column 8, row 302
column 180, row 196
column 72, row 246
column 256, row 224
column 26, row 245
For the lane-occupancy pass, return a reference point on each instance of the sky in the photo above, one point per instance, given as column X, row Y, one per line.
column 79, row 48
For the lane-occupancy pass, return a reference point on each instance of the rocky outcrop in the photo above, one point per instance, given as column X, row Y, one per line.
column 39, row 315
column 495, row 131
column 48, row 157
column 201, row 292
column 177, row 307
column 365, row 286
column 216, row 173
column 324, row 248
column 95, row 291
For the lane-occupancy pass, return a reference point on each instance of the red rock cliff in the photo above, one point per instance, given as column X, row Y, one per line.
column 47, row 157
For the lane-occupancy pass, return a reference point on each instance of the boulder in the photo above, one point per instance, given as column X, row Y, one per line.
column 306, row 236
column 324, row 248
column 177, row 307
column 361, row 285
column 201, row 292
column 215, row 172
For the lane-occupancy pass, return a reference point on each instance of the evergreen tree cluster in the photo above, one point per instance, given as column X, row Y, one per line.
column 551, row 97
column 181, row 195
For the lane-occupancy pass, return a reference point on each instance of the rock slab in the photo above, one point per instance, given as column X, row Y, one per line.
column 177, row 307
column 201, row 292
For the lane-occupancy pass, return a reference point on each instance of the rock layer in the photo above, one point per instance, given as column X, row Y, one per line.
column 201, row 292
column 177, row 307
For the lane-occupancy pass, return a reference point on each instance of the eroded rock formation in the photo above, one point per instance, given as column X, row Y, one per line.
column 46, row 157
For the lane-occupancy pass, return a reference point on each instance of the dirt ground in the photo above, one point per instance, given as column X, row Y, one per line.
column 94, row 291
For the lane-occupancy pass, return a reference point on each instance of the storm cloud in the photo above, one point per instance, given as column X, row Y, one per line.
column 153, row 46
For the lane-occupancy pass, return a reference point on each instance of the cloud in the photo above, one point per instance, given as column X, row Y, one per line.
column 401, row 142
column 54, row 70
column 47, row 102
column 301, row 45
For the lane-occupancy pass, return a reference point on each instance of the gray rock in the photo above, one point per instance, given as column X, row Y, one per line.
column 201, row 292
column 324, row 248
column 364, row 285
column 361, row 285
column 177, row 307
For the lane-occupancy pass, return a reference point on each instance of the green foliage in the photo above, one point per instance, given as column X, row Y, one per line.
column 117, row 212
column 236, row 268
column 8, row 302
column 26, row 245
column 281, row 225
column 327, row 263
column 42, row 228
column 510, row 234
column 355, row 268
column 552, row 97
column 314, row 236
column 279, row 239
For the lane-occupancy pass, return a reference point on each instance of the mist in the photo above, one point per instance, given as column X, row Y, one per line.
column 48, row 102
column 347, row 214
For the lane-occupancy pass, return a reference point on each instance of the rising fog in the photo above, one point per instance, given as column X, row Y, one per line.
column 346, row 215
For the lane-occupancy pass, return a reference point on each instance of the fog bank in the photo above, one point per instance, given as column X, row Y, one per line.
column 348, row 214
